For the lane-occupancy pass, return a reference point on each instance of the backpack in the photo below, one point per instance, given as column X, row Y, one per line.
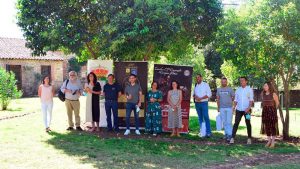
column 62, row 95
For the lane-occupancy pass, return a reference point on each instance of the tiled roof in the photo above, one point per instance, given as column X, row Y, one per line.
column 12, row 48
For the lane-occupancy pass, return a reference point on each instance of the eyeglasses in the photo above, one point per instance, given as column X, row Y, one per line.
column 72, row 75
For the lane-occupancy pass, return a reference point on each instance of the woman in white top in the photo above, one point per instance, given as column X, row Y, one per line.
column 46, row 92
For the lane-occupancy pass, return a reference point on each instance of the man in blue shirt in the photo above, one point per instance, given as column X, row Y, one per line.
column 111, row 92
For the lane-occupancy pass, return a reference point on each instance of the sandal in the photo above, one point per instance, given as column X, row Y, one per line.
column 92, row 129
column 272, row 145
column 268, row 144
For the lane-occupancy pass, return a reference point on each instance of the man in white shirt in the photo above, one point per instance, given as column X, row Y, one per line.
column 201, row 95
column 242, row 103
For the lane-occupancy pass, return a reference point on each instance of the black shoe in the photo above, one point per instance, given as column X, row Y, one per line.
column 208, row 136
column 109, row 130
column 79, row 128
column 117, row 130
column 70, row 128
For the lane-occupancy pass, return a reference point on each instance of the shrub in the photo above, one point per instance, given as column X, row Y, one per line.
column 8, row 88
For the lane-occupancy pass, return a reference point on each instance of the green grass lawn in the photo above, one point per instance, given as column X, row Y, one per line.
column 24, row 144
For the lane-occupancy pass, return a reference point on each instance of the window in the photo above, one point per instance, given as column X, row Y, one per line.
column 46, row 71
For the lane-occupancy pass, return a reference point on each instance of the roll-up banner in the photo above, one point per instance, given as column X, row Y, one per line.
column 164, row 74
column 122, row 70
column 101, row 68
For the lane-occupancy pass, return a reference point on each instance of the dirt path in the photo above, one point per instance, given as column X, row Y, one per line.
column 262, row 159
column 15, row 116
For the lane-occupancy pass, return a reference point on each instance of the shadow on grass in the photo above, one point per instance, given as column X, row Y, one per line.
column 132, row 153
column 141, row 153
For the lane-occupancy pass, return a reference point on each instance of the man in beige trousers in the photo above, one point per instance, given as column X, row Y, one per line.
column 73, row 90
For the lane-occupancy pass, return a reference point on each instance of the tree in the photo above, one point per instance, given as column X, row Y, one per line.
column 119, row 30
column 68, row 25
column 213, row 60
column 75, row 65
column 231, row 72
column 263, row 40
column 8, row 88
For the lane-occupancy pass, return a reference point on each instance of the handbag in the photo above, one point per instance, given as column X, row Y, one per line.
column 62, row 95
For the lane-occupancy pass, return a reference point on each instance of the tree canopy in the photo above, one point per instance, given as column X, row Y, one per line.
column 120, row 30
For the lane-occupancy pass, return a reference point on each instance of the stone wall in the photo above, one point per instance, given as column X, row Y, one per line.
column 31, row 73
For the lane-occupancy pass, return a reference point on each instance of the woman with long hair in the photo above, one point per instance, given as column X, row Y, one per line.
column 93, row 90
column 175, row 114
column 46, row 93
column 270, row 102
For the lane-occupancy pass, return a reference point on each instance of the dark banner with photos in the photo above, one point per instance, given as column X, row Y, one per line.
column 122, row 70
column 164, row 75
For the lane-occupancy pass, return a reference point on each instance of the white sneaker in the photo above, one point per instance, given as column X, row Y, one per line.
column 137, row 132
column 249, row 141
column 231, row 141
column 127, row 132
column 200, row 135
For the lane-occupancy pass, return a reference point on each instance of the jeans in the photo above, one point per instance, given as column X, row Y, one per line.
column 47, row 113
column 111, row 105
column 226, row 116
column 129, row 108
column 238, row 117
column 202, row 111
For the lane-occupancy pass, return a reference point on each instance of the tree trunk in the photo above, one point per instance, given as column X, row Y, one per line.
column 280, row 108
column 286, row 124
column 92, row 52
column 146, row 58
column 4, row 105
column 150, row 48
column 284, row 120
column 286, row 79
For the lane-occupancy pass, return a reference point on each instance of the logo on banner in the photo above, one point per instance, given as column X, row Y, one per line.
column 101, row 72
column 186, row 73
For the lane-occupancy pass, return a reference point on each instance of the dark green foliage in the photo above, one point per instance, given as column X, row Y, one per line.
column 119, row 30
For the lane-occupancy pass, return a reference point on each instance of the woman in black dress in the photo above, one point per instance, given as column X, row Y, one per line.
column 94, row 88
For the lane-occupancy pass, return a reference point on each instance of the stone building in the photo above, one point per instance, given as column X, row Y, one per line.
column 29, row 70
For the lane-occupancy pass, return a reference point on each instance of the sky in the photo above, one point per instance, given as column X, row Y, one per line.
column 8, row 21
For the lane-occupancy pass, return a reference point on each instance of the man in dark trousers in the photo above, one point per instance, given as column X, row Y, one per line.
column 133, row 93
column 111, row 91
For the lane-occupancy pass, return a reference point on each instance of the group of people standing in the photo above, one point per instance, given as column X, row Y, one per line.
column 228, row 101
column 241, row 102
